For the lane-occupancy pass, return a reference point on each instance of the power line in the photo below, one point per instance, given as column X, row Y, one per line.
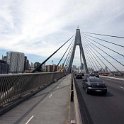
column 94, row 62
column 105, row 46
column 93, row 50
column 64, row 54
column 105, row 35
column 105, row 58
column 105, row 40
column 90, row 65
column 40, row 66
column 107, row 53
column 70, row 50
column 94, row 57
column 68, row 60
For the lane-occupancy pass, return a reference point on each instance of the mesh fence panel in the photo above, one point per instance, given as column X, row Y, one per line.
column 15, row 86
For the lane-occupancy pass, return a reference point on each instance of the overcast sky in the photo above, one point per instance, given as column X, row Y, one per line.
column 40, row 26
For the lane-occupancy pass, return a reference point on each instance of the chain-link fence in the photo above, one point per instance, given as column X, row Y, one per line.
column 13, row 87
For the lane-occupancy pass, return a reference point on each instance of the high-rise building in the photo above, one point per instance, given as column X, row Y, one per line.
column 15, row 61
column 4, row 67
column 26, row 63
column 32, row 66
column 4, row 58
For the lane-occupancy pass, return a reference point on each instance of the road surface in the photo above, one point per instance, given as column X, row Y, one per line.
column 100, row 109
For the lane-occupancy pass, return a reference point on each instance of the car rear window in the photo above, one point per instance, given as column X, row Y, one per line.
column 95, row 80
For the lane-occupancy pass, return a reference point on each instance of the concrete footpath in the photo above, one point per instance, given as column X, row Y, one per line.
column 50, row 106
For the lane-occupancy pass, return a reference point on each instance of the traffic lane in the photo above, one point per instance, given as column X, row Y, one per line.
column 115, row 78
column 115, row 81
column 115, row 84
column 104, row 109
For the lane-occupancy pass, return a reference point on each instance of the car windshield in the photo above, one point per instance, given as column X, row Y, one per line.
column 95, row 80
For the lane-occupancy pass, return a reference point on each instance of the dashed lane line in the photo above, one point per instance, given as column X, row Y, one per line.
column 122, row 79
column 29, row 119
column 121, row 87
column 50, row 95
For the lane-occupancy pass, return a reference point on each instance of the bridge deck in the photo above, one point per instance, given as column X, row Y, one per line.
column 49, row 106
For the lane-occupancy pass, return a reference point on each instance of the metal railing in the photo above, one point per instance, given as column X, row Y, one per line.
column 13, row 87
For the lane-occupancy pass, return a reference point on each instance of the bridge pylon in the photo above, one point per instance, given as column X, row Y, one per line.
column 79, row 43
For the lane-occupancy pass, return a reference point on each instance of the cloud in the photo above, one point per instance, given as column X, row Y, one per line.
column 41, row 26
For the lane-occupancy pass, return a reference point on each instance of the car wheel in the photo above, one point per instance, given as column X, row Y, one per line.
column 104, row 93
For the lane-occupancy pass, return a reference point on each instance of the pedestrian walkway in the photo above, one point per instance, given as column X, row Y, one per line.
column 50, row 106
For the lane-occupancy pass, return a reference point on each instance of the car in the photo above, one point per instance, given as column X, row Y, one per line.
column 94, row 74
column 79, row 76
column 94, row 84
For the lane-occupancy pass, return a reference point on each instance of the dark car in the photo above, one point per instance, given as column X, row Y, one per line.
column 79, row 76
column 94, row 84
column 94, row 74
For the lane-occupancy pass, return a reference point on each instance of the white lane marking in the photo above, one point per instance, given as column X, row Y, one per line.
column 57, row 87
column 29, row 119
column 50, row 95
column 113, row 78
column 121, row 87
column 73, row 122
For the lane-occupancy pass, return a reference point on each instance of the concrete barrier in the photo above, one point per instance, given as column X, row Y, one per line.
column 76, row 106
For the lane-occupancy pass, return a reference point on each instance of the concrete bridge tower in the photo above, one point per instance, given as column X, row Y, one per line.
column 78, row 42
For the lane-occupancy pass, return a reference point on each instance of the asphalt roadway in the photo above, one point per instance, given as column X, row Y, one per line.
column 100, row 109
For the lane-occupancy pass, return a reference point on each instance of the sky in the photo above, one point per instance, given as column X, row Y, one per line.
column 38, row 27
